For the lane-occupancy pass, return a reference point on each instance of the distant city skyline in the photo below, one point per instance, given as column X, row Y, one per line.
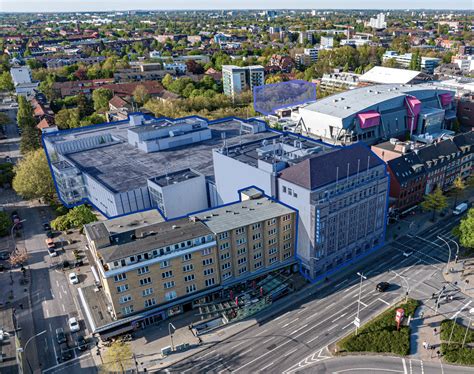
column 114, row 5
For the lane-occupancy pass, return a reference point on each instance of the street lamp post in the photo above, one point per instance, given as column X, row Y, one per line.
column 439, row 297
column 403, row 278
column 11, row 233
column 457, row 249
column 449, row 258
column 170, row 325
column 362, row 277
column 26, row 345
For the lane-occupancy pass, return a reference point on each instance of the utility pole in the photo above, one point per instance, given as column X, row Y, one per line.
column 170, row 325
column 449, row 258
column 357, row 320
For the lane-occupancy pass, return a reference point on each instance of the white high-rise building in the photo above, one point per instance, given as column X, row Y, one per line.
column 379, row 22
column 237, row 79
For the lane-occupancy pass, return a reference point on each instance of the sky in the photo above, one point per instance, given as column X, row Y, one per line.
column 106, row 5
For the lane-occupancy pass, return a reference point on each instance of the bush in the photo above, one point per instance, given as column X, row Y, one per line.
column 5, row 224
column 458, row 332
column 381, row 335
column 454, row 352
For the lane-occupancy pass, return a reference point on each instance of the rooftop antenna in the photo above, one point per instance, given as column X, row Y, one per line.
column 224, row 145
column 358, row 168
column 167, row 174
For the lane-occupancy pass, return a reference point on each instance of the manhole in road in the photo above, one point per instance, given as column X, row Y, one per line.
column 271, row 347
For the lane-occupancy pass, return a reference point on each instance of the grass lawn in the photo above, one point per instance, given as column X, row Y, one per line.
column 380, row 334
column 453, row 352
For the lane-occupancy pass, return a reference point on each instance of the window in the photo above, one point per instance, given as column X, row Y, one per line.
column 170, row 295
column 287, row 236
column 169, row 284
column 272, row 231
column 240, row 231
column 210, row 282
column 284, row 189
column 150, row 302
column 241, row 241
column 256, row 236
column 127, row 310
column 223, row 235
column 164, row 264
column 147, row 291
column 125, row 299
column 272, row 251
column 167, row 274
column 257, row 265
column 241, row 251
column 187, row 257
column 225, row 256
column 256, row 226
column 287, row 245
column 144, row 281
column 271, row 221
column 272, row 260
column 257, row 255
column 257, row 246
column 188, row 267
column 122, row 288
column 120, row 277
column 272, row 241
column 189, row 278
column 223, row 246
column 207, row 261
column 206, row 252
column 226, row 266
column 243, row 270
column 242, row 260
column 143, row 270
column 287, row 255
column 208, row 271
column 227, row 275
column 191, row 288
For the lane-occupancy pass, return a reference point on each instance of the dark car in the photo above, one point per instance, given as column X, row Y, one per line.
column 66, row 353
column 382, row 286
column 4, row 255
column 49, row 234
column 46, row 227
column 60, row 335
column 81, row 343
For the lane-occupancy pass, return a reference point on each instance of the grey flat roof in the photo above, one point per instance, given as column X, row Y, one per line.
column 164, row 234
column 242, row 213
column 121, row 167
column 176, row 177
column 353, row 101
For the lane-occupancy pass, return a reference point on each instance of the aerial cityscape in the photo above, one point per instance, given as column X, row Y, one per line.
column 236, row 187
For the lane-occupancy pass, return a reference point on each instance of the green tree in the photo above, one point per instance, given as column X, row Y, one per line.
column 458, row 186
column 5, row 224
column 75, row 218
column 101, row 98
column 33, row 177
column 6, row 174
column 30, row 136
column 466, row 230
column 167, row 81
column 434, row 202
column 4, row 119
column 140, row 94
column 25, row 117
column 93, row 119
column 6, row 83
column 67, row 118
column 84, row 105
column 117, row 358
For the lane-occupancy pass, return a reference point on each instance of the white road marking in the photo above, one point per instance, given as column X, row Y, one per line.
column 266, row 341
column 342, row 315
column 207, row 354
column 50, row 328
column 294, row 320
column 332, row 327
column 290, row 352
column 405, row 371
column 57, row 283
column 313, row 339
column 302, row 327
column 237, row 345
column 276, row 319
column 270, row 364
column 245, row 352
column 344, row 281
column 364, row 304
column 64, row 309
column 383, row 301
column 60, row 296
column 460, row 310
column 261, row 356
column 261, row 332
column 47, row 312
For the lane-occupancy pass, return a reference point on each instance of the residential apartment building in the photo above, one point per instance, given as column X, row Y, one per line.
column 237, row 79
column 22, row 82
column 151, row 269
column 428, row 64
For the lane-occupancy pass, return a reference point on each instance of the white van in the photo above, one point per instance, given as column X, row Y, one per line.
column 461, row 208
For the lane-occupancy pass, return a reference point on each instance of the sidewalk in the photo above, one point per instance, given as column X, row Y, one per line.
column 423, row 331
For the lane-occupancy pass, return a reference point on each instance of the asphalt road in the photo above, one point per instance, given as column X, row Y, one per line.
column 382, row 365
column 297, row 339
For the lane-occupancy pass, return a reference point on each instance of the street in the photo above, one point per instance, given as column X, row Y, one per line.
column 297, row 339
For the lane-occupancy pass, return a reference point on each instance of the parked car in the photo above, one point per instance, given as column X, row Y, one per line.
column 50, row 243
column 65, row 352
column 81, row 343
column 60, row 335
column 52, row 252
column 8, row 159
column 73, row 279
column 46, row 227
column 73, row 324
column 4, row 255
column 382, row 286
column 49, row 234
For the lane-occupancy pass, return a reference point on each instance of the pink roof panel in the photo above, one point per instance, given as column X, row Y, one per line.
column 369, row 119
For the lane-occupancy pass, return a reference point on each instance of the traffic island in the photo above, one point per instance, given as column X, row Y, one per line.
column 383, row 334
column 456, row 345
